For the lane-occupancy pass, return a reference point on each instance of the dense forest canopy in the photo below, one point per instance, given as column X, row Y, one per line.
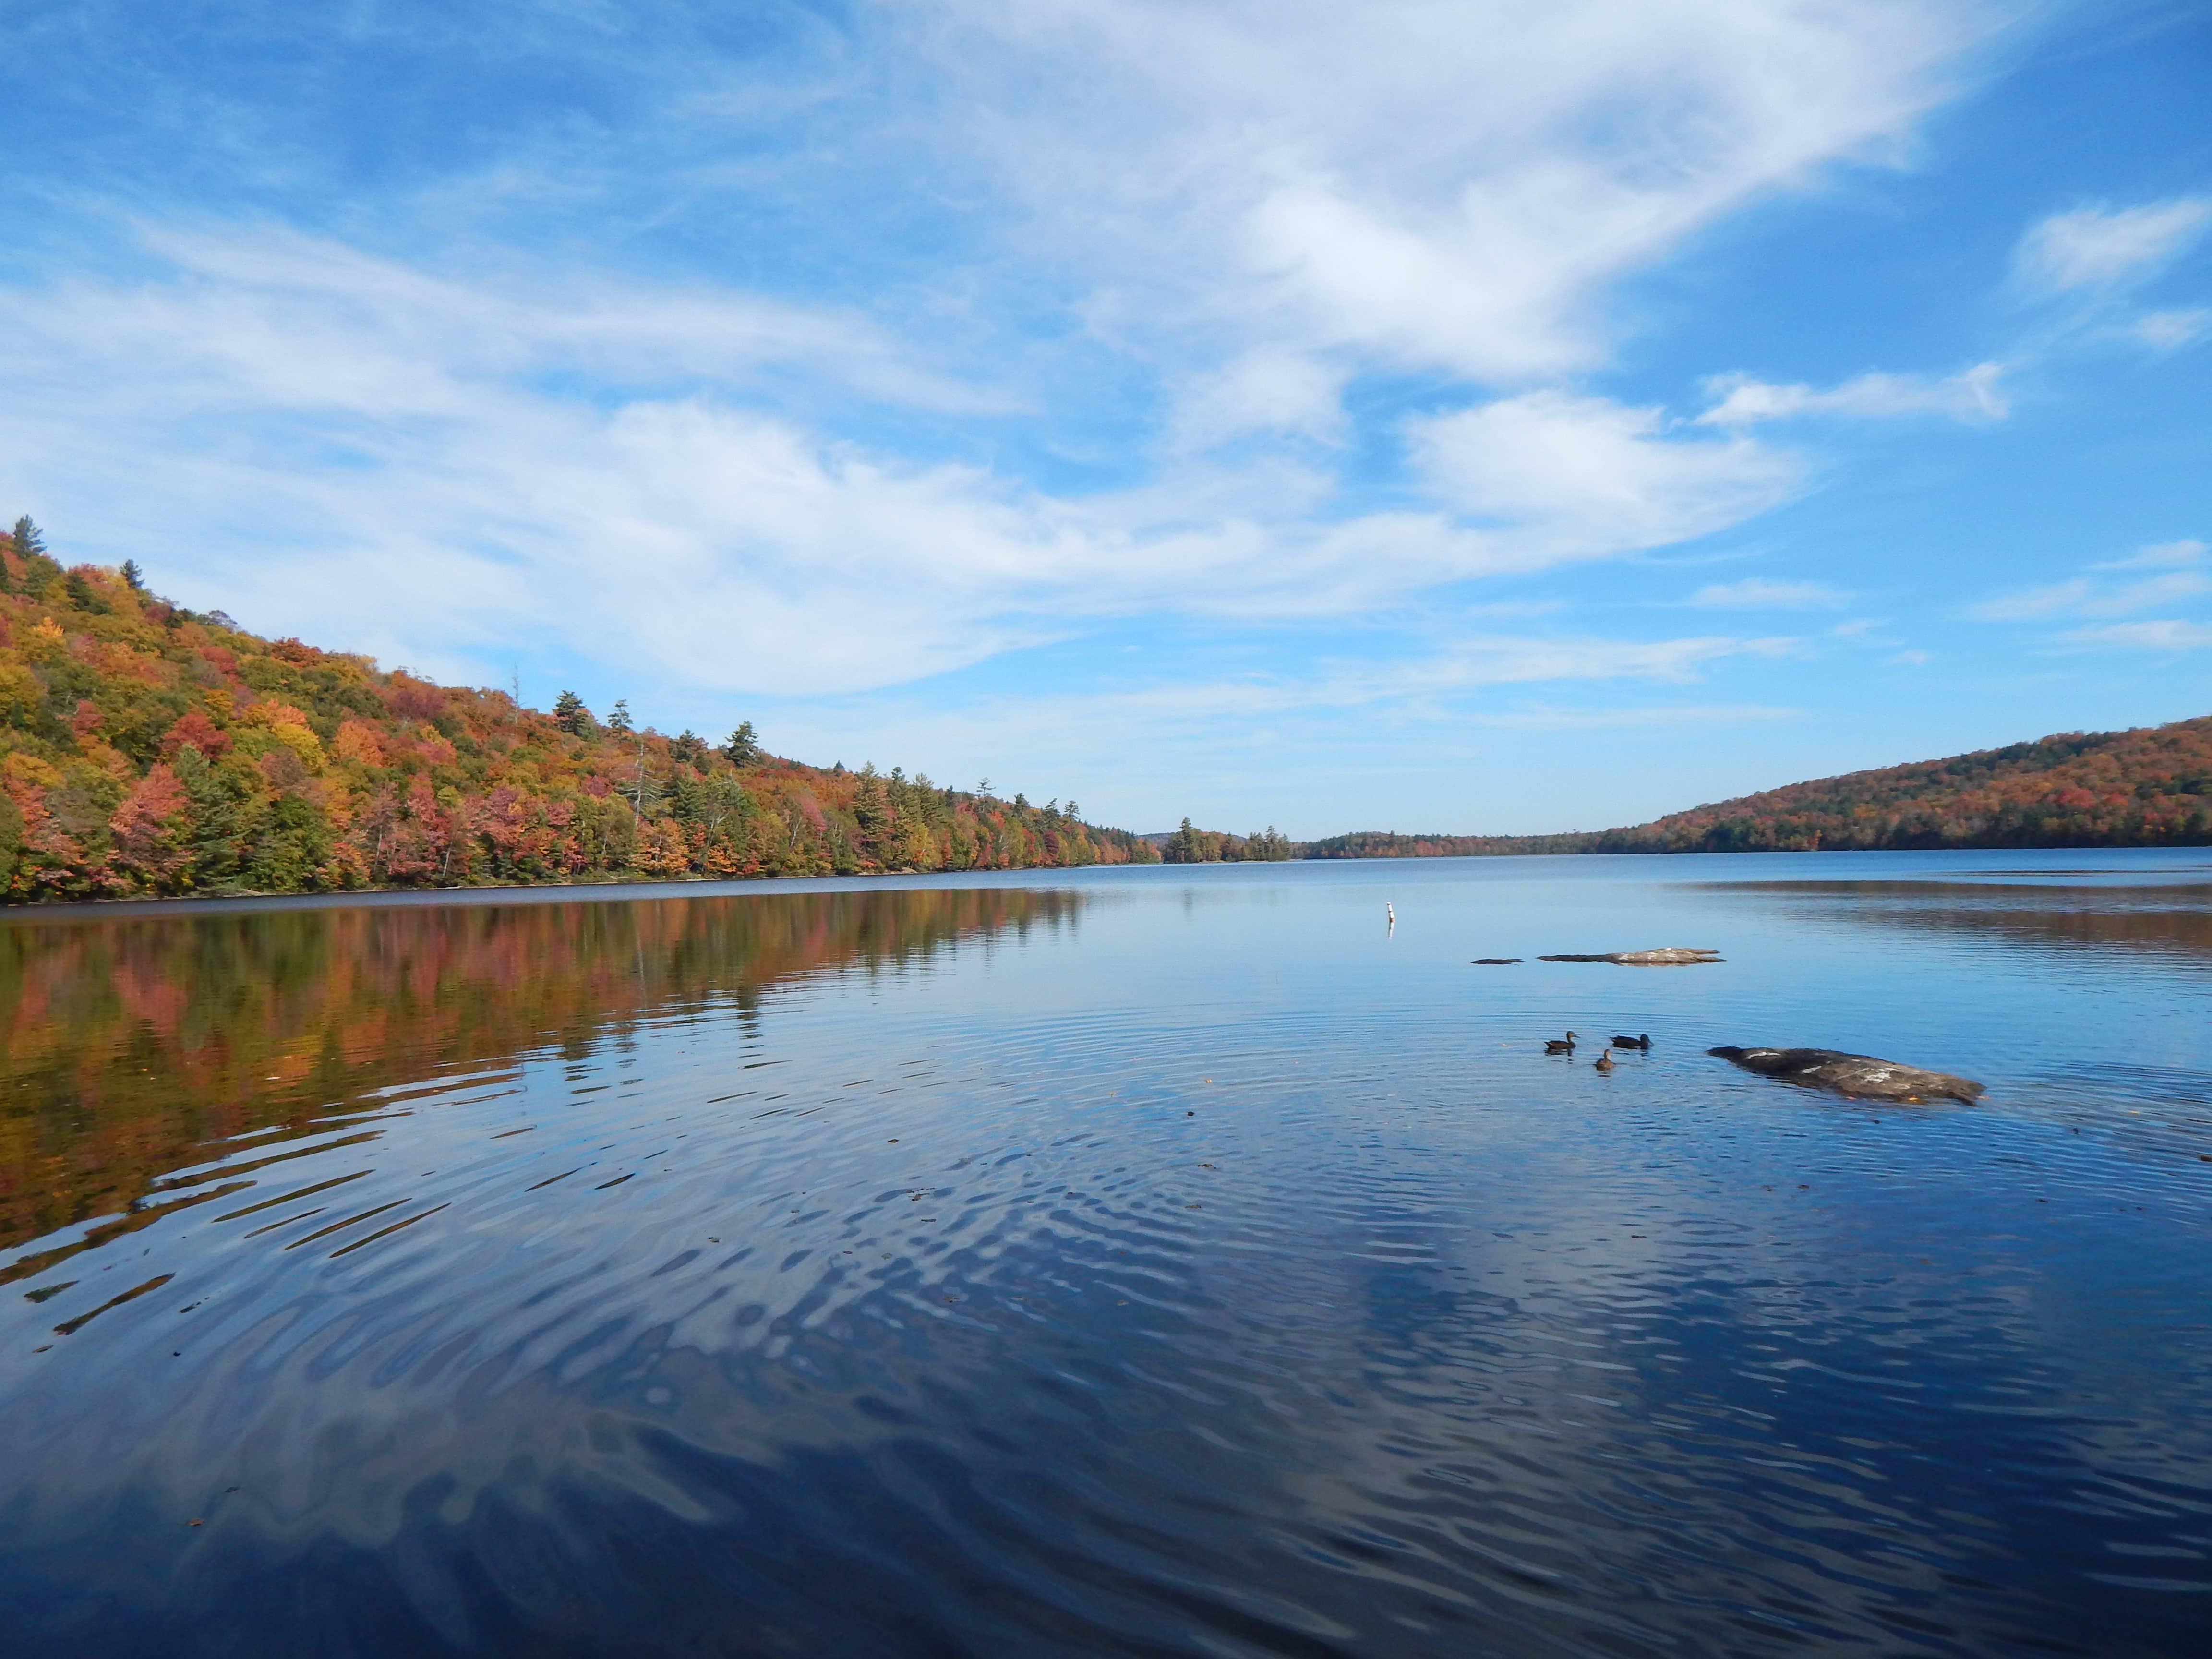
column 147, row 750
column 2151, row 787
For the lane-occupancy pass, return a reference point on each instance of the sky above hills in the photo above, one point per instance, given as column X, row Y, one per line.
column 1467, row 416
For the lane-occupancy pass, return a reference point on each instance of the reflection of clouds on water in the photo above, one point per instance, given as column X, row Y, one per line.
column 2175, row 920
column 1182, row 1288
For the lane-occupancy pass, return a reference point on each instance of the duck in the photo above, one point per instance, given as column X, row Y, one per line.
column 1604, row 1061
column 1564, row 1045
column 1640, row 1043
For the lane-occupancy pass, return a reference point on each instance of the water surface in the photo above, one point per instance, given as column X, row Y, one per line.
column 1133, row 1261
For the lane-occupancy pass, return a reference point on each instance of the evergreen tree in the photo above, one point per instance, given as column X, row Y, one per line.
column 688, row 746
column 571, row 716
column 133, row 577
column 28, row 541
column 619, row 721
column 84, row 596
column 743, row 746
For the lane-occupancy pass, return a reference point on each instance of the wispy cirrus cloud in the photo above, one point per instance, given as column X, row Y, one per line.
column 2179, row 575
column 2166, row 635
column 387, row 434
column 1208, row 722
column 1970, row 396
column 2161, row 555
column 2082, row 596
column 2104, row 248
column 1758, row 593
column 2170, row 331
column 1245, row 181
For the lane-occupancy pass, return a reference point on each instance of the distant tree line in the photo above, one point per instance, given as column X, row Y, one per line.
column 2150, row 786
column 1189, row 845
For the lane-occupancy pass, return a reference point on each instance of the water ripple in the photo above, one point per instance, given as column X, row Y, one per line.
column 1119, row 1290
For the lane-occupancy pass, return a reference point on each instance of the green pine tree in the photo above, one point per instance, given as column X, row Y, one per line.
column 571, row 716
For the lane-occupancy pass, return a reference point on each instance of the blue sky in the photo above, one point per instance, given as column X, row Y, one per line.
column 1468, row 416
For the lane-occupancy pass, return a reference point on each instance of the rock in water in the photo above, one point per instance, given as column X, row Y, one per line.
column 1858, row 1075
column 1671, row 956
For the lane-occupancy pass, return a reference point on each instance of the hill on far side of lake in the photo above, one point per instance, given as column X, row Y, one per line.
column 2148, row 787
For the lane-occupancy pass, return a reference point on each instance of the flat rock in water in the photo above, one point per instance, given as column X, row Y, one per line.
column 1671, row 956
column 1859, row 1075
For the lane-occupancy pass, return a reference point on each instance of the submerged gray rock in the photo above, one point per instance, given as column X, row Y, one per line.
column 1671, row 956
column 1861, row 1076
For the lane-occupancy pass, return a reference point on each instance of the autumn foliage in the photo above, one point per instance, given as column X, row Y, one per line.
column 2151, row 787
column 149, row 751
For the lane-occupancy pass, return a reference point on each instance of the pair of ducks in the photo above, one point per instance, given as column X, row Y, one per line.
column 1566, row 1045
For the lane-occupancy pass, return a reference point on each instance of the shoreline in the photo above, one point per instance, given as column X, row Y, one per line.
column 673, row 887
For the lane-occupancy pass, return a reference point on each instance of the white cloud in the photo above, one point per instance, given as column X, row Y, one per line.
column 1756, row 592
column 2164, row 636
column 1592, row 720
column 1256, row 203
column 1122, row 734
column 1431, row 184
column 2099, row 247
column 393, row 462
column 2034, row 602
column 2085, row 598
column 281, row 320
column 2150, row 592
column 1260, row 392
column 1581, row 476
column 2089, row 596
column 1970, row 396
column 2159, row 557
column 2169, row 331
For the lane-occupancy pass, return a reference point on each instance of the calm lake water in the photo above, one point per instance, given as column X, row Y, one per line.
column 1122, row 1263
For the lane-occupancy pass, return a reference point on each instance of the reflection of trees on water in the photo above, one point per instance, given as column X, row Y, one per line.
column 130, row 1044
column 2173, row 921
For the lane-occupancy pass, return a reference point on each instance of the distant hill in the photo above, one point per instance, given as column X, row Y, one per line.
column 2149, row 786
column 146, row 750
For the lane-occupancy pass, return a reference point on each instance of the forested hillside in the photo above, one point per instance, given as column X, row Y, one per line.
column 2151, row 787
column 148, row 749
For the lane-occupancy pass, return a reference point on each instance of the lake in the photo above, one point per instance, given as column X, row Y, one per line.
column 1133, row 1261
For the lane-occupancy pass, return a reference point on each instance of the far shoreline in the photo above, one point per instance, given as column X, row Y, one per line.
column 1039, row 876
